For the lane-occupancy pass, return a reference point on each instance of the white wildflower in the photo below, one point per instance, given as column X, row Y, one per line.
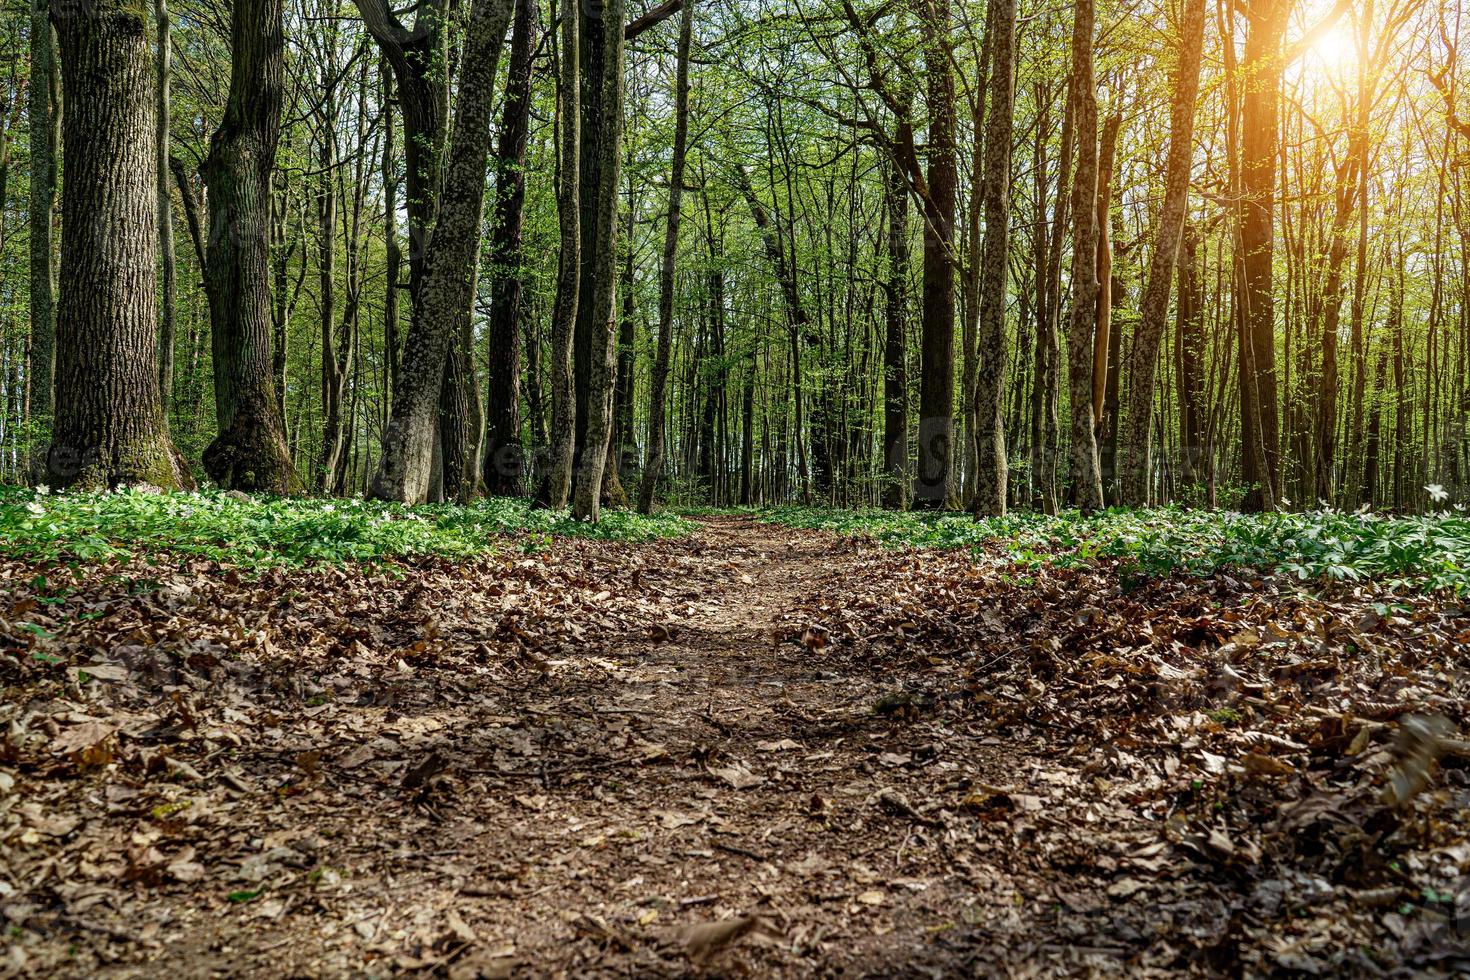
column 42, row 490
column 35, row 508
column 1437, row 493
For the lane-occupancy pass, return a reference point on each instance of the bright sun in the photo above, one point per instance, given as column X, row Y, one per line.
column 1336, row 49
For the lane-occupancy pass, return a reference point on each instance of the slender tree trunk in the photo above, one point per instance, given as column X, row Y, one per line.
column 657, row 390
column 1102, row 337
column 932, row 484
column 623, row 456
column 556, row 486
column 896, row 478
column 334, row 374
column 109, row 426
column 1189, row 328
column 613, row 494
column 449, row 273
column 1048, row 371
column 1085, row 470
column 990, row 487
column 392, row 253
column 504, row 456
column 44, row 111
column 1154, row 307
column 169, row 284
column 249, row 453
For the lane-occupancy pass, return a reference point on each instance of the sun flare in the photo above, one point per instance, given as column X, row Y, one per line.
column 1336, row 50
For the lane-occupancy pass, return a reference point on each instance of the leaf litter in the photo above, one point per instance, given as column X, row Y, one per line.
column 751, row 751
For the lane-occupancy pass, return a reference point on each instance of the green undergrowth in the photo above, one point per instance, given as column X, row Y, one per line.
column 248, row 532
column 1422, row 553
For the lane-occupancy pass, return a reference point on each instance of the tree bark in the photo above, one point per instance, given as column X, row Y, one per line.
column 1154, row 307
column 1047, row 423
column 932, row 483
column 595, row 350
column 249, row 453
column 896, row 482
column 556, row 485
column 169, row 284
column 44, row 110
column 657, row 392
column 449, row 270
column 109, row 427
column 1086, row 473
column 504, row 457
column 990, row 439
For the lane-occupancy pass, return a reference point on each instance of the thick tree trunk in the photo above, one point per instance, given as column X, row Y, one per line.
column 504, row 456
column 1261, row 73
column 657, row 392
column 1085, row 469
column 448, row 285
column 249, row 453
column 990, row 439
column 1154, row 307
column 109, row 427
column 595, row 350
column 44, row 110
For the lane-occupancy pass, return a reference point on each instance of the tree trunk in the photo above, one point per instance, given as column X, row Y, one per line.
column 1085, row 469
column 449, row 272
column 554, row 488
column 594, row 359
column 44, row 110
column 613, row 494
column 1154, row 307
column 504, row 456
column 249, row 453
column 1190, row 338
column 169, row 270
column 109, row 427
column 623, row 456
column 1261, row 70
column 392, row 253
column 1048, row 347
column 334, row 369
column 657, row 390
column 1102, row 337
column 990, row 486
column 896, row 480
column 932, row 483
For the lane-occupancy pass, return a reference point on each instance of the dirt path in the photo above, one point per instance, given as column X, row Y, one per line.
column 672, row 759
column 751, row 752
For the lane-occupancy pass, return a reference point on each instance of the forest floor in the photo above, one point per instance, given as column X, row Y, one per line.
column 749, row 751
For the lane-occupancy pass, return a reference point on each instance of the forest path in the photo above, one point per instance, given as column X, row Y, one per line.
column 752, row 751
column 551, row 764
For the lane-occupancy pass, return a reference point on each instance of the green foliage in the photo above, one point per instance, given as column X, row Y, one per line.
column 255, row 532
column 1428, row 552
